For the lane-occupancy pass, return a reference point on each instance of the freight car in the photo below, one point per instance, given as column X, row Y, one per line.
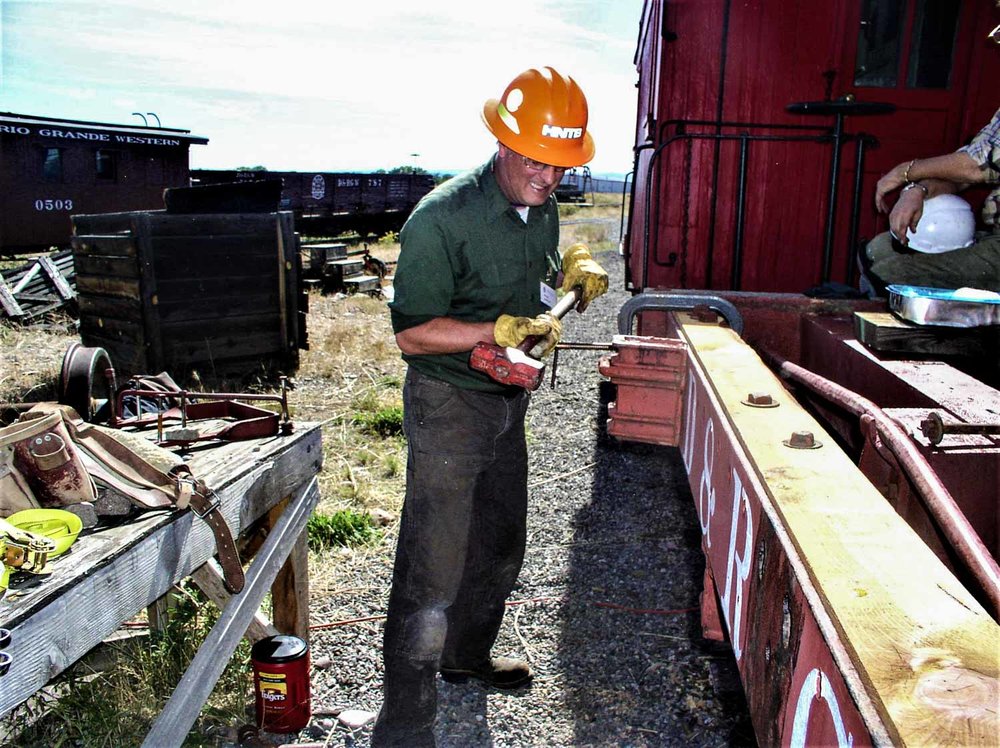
column 335, row 203
column 844, row 461
column 53, row 168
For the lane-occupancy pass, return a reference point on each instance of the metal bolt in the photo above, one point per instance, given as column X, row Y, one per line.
column 802, row 440
column 934, row 428
column 760, row 399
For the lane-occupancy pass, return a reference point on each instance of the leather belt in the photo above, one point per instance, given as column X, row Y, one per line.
column 205, row 505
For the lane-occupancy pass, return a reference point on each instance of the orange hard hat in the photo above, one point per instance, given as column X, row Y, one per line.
column 542, row 115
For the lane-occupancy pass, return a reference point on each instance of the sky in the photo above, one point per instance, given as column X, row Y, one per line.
column 341, row 85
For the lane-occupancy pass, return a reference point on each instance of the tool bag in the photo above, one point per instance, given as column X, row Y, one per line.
column 52, row 458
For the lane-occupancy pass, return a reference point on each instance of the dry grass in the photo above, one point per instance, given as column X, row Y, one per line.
column 31, row 357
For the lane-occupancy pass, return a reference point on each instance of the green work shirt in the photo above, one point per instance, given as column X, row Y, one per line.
column 467, row 254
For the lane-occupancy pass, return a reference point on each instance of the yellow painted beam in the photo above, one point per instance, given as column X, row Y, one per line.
column 926, row 651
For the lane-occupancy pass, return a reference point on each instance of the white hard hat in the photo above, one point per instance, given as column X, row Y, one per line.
column 946, row 224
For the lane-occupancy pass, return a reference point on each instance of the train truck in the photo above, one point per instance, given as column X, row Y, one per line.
column 841, row 451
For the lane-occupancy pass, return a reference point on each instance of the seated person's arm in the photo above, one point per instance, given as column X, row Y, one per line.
column 958, row 168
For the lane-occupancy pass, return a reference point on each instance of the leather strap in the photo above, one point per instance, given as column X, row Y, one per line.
column 204, row 504
column 109, row 457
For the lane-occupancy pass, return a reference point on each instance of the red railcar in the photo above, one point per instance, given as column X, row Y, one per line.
column 53, row 168
column 758, row 138
column 845, row 463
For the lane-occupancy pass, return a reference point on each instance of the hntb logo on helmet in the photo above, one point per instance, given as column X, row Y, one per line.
column 542, row 115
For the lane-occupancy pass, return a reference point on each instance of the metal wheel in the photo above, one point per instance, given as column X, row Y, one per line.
column 86, row 380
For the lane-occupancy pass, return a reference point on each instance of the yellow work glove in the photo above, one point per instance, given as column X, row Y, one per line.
column 580, row 269
column 510, row 331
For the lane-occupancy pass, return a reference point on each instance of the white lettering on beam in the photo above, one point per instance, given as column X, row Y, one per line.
column 737, row 567
column 737, row 564
column 816, row 687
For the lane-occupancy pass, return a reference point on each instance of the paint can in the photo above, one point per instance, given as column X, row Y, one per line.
column 281, row 683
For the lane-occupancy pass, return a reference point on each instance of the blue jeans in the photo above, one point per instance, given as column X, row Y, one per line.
column 460, row 549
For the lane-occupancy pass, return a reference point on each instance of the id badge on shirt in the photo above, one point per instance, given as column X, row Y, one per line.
column 547, row 294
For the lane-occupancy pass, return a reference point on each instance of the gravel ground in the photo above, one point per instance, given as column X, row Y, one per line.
column 605, row 607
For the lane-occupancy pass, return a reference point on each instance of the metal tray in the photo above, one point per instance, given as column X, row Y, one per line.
column 964, row 307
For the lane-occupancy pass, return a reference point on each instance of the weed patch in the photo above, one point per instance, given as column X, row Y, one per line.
column 345, row 527
column 383, row 422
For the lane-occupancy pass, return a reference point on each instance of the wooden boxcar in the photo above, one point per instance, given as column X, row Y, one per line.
column 758, row 138
column 330, row 202
column 53, row 168
column 215, row 293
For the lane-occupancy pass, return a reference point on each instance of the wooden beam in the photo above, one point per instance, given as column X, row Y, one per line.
column 25, row 279
column 56, row 278
column 882, row 331
column 8, row 302
column 181, row 711
column 913, row 633
column 209, row 579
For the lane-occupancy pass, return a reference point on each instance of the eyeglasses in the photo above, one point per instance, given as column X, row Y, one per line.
column 531, row 165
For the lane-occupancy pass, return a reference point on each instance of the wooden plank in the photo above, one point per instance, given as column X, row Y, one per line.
column 202, row 291
column 107, row 265
column 102, row 223
column 116, row 245
column 109, row 306
column 182, row 261
column 210, row 581
column 909, row 627
column 282, row 278
column 148, row 290
column 25, row 279
column 55, row 277
column 201, row 224
column 219, row 311
column 113, row 329
column 290, row 591
column 292, row 273
column 258, row 243
column 111, row 574
column 8, row 302
column 104, row 286
column 195, row 347
column 181, row 711
column 884, row 332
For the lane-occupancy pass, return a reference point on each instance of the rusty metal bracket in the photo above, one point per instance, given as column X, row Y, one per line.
column 245, row 421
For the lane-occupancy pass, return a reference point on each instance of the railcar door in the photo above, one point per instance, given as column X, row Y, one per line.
column 925, row 57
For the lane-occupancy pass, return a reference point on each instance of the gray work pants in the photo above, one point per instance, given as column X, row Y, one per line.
column 460, row 548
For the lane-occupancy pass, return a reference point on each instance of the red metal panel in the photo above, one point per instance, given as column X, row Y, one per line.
column 648, row 374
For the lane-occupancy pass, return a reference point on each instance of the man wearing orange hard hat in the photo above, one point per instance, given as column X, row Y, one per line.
column 479, row 261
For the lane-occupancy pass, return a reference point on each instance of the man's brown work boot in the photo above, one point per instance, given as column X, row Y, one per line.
column 499, row 672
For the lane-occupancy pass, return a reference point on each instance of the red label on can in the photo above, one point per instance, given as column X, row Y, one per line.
column 282, row 695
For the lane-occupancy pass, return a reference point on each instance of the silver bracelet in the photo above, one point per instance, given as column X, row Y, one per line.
column 917, row 185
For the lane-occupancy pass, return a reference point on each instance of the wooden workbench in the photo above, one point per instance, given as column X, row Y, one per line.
column 111, row 574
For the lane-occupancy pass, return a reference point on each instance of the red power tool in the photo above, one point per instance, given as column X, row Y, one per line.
column 513, row 365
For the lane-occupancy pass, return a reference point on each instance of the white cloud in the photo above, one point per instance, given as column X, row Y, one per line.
column 310, row 86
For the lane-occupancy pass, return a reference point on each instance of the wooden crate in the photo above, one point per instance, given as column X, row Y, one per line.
column 220, row 294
